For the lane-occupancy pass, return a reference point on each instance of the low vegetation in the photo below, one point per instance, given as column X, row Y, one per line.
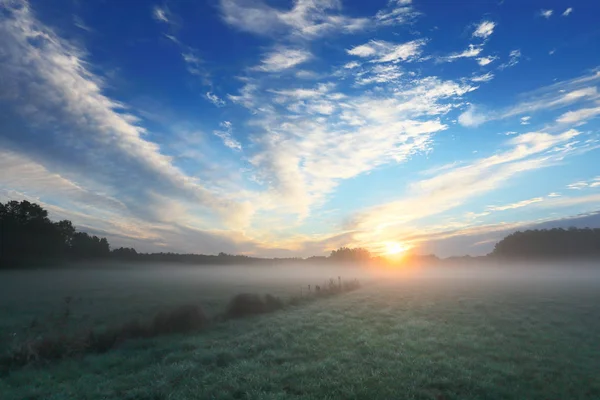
column 52, row 345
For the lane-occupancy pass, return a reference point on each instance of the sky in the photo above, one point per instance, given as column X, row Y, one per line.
column 291, row 128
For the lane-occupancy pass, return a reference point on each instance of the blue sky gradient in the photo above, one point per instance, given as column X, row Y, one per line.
column 279, row 128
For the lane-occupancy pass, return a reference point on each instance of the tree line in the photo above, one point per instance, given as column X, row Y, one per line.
column 550, row 244
column 27, row 235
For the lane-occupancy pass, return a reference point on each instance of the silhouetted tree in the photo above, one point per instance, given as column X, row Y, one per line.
column 355, row 255
column 125, row 253
column 26, row 234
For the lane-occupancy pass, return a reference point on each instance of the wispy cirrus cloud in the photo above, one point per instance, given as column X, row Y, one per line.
column 308, row 19
column 282, row 58
column 161, row 14
column 397, row 12
column 567, row 12
column 483, row 78
column 580, row 90
column 579, row 116
column 592, row 183
column 546, row 13
column 90, row 131
column 518, row 204
column 453, row 187
column 513, row 59
column 216, row 100
column 303, row 154
column 381, row 51
column 471, row 52
column 226, row 134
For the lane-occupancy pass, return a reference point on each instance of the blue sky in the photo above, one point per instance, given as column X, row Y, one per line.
column 279, row 128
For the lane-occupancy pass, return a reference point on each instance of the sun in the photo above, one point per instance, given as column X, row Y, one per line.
column 395, row 248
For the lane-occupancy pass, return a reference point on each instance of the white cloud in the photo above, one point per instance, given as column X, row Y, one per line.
column 379, row 74
column 525, row 120
column 592, row 183
column 554, row 194
column 308, row 19
column 518, row 204
column 471, row 52
column 89, row 131
column 352, row 65
column 304, row 74
column 161, row 14
column 546, row 13
column 555, row 96
column 513, row 59
column 305, row 155
column 216, row 100
column 226, row 135
column 453, row 187
column 483, row 78
column 382, row 51
column 364, row 50
column 579, row 116
column 483, row 61
column 283, row 58
column 397, row 12
column 484, row 29
column 471, row 118
column 567, row 12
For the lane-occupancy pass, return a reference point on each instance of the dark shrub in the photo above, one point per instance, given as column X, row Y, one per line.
column 272, row 303
column 251, row 304
column 181, row 319
column 245, row 304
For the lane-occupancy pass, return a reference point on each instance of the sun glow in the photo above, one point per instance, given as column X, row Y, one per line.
column 395, row 248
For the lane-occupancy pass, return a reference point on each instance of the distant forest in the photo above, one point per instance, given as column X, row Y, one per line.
column 550, row 244
column 28, row 236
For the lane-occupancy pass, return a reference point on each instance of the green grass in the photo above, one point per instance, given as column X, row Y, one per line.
column 403, row 339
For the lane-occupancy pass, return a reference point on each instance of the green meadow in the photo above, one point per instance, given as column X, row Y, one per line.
column 443, row 334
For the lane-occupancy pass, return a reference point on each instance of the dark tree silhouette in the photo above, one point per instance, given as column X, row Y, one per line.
column 550, row 243
column 345, row 254
column 27, row 234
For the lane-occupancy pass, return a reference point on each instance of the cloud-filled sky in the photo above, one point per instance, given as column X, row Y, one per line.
column 290, row 128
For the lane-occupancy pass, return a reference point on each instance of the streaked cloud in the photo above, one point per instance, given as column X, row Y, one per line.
column 579, row 116
column 283, row 58
column 580, row 90
column 226, row 134
column 308, row 19
column 161, row 14
column 382, row 51
column 483, row 78
column 471, row 52
column 513, row 59
column 216, row 100
column 518, row 204
column 90, row 130
column 546, row 13
column 567, row 12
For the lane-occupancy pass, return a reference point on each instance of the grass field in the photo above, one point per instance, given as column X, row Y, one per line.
column 446, row 335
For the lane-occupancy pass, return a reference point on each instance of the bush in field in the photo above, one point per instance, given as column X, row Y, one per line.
column 245, row 304
column 179, row 320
